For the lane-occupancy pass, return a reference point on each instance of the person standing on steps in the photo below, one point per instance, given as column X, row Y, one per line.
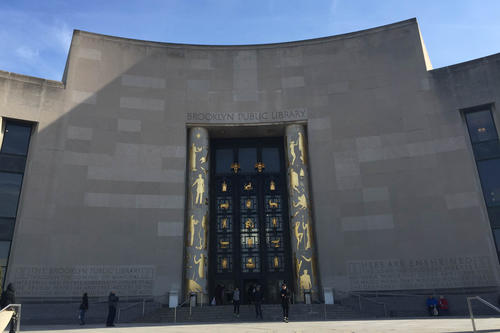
column 112, row 305
column 257, row 298
column 9, row 297
column 236, row 302
column 285, row 301
column 84, row 306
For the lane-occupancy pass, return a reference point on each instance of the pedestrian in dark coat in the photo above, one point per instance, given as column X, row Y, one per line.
column 9, row 297
column 112, row 306
column 257, row 298
column 84, row 306
column 285, row 301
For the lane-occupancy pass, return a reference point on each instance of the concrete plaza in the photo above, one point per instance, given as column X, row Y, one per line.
column 455, row 325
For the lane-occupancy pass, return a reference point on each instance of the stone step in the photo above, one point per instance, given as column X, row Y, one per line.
column 271, row 312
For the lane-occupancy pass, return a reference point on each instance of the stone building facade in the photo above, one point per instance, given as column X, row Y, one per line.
column 386, row 168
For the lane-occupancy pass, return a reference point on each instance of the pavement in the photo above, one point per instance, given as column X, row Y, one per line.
column 434, row 325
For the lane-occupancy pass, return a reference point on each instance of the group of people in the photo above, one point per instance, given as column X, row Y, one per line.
column 436, row 307
column 112, row 307
column 256, row 296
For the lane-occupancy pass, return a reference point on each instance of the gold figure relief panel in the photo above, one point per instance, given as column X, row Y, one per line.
column 199, row 185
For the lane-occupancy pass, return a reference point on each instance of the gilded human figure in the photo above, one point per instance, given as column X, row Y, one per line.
column 307, row 231
column 192, row 156
column 248, row 204
column 224, row 263
column 192, row 225
column 292, row 151
column 276, row 262
column 301, row 202
column 305, row 281
column 224, row 186
column 201, row 265
column 224, row 223
column 301, row 148
column 202, row 234
column 298, row 235
column 272, row 186
column 250, row 242
column 294, row 180
column 200, row 189
column 249, row 224
column 298, row 264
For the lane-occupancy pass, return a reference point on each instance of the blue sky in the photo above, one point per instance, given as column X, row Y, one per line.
column 35, row 35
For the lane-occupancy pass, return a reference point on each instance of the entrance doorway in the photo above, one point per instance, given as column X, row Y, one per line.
column 249, row 234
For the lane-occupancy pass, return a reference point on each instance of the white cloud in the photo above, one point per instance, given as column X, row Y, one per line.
column 27, row 53
column 62, row 34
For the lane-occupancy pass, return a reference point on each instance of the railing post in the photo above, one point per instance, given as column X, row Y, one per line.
column 359, row 301
column 118, row 315
column 143, row 306
column 471, row 315
column 175, row 315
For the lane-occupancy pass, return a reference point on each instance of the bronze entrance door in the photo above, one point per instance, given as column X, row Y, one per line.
column 249, row 234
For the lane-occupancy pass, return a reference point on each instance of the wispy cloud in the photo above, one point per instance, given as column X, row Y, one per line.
column 28, row 53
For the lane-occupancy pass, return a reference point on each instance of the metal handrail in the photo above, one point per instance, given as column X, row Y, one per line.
column 470, row 298
column 360, row 298
column 130, row 306
column 178, row 306
column 17, row 314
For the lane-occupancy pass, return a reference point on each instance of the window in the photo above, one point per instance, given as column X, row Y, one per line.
column 486, row 146
column 13, row 154
column 10, row 187
column 16, row 139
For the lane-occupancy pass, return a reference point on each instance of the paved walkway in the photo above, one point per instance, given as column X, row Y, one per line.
column 459, row 325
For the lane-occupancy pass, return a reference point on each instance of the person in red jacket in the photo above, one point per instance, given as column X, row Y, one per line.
column 443, row 305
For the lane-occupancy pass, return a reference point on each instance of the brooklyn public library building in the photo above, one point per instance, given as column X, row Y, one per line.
column 337, row 164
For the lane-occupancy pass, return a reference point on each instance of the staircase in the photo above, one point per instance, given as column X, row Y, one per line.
column 271, row 312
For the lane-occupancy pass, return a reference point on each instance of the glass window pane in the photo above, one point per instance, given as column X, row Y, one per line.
column 223, row 160
column 247, row 158
column 481, row 126
column 496, row 236
column 271, row 159
column 10, row 186
column 486, row 150
column 16, row 139
column 4, row 252
column 489, row 173
column 6, row 228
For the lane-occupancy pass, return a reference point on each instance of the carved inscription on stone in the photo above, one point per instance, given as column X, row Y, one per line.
column 448, row 272
column 246, row 117
column 42, row 281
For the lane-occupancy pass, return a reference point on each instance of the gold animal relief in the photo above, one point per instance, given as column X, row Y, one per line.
column 224, row 244
column 273, row 204
column 276, row 243
column 248, row 187
column 225, row 205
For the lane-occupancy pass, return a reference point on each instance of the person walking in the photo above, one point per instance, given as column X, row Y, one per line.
column 84, row 306
column 257, row 299
column 285, row 301
column 9, row 297
column 112, row 305
column 236, row 302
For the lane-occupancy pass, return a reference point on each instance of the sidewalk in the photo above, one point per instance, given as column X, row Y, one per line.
column 458, row 325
